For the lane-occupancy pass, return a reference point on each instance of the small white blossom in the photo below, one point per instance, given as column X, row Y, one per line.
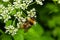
column 5, row 17
column 18, row 1
column 18, row 25
column 23, row 6
column 1, row 5
column 31, row 13
column 5, row 11
column 27, row 1
column 39, row 2
column 16, row 5
column 10, row 7
column 23, row 19
column 5, row 0
column 18, row 14
column 11, row 30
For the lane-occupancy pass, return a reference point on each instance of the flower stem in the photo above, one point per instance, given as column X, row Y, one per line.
column 32, row 3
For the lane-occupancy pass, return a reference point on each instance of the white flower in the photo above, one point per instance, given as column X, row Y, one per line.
column 27, row 1
column 5, row 11
column 39, row 2
column 5, row 0
column 16, row 5
column 23, row 19
column 18, row 1
column 11, row 30
column 31, row 13
column 23, row 6
column 19, row 24
column 5, row 17
column 1, row 5
column 18, row 14
column 10, row 7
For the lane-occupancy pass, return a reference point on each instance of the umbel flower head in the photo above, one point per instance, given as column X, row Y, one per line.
column 11, row 30
column 32, row 13
column 39, row 2
column 15, row 12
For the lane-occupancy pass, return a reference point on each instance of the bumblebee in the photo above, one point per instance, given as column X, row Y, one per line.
column 28, row 23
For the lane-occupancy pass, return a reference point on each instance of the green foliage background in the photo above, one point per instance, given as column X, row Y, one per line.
column 47, row 27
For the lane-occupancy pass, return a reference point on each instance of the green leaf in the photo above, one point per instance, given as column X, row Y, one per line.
column 5, row 37
column 52, row 7
column 34, row 33
column 38, row 28
column 51, row 23
column 55, row 21
column 13, row 12
column 9, row 22
column 46, row 38
column 56, row 31
column 19, row 35
column 1, row 31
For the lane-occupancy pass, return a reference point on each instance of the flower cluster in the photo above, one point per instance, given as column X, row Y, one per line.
column 17, row 10
column 11, row 30
column 32, row 13
column 4, row 13
column 39, row 2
